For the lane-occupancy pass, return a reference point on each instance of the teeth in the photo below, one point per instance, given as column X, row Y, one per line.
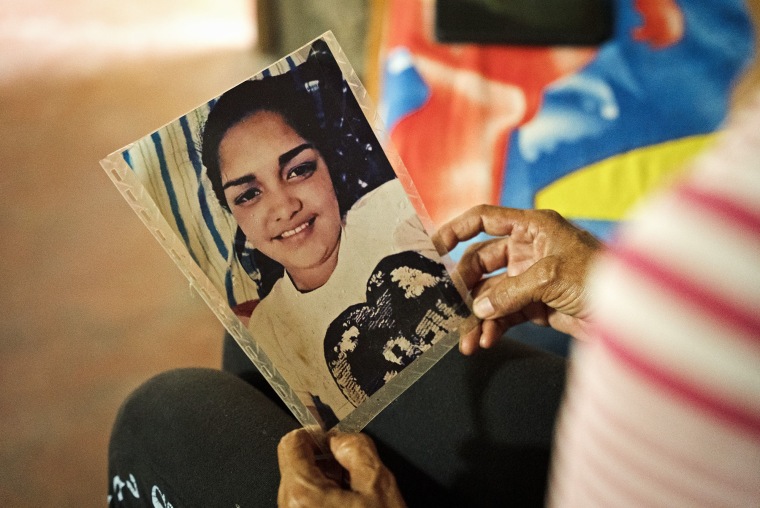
column 295, row 231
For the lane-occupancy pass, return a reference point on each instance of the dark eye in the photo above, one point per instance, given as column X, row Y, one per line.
column 305, row 169
column 248, row 195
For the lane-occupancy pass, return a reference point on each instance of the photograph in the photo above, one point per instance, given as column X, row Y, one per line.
column 289, row 204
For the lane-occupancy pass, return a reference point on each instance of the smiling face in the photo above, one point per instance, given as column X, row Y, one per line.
column 279, row 190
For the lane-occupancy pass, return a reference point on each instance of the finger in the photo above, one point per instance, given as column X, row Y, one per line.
column 491, row 332
column 484, row 285
column 469, row 341
column 358, row 455
column 493, row 220
column 493, row 329
column 302, row 482
column 295, row 453
column 511, row 294
column 482, row 258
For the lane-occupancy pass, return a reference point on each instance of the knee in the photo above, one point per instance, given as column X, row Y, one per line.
column 167, row 392
column 164, row 405
column 180, row 405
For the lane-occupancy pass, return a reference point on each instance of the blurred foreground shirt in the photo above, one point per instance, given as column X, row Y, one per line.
column 663, row 407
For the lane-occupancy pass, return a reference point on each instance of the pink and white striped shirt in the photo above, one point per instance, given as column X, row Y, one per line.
column 663, row 405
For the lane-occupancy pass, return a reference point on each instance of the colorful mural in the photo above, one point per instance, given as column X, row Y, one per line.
column 585, row 131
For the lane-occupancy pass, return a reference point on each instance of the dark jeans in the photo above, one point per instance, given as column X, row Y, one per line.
column 471, row 432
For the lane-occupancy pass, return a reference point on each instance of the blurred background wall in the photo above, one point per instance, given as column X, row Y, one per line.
column 285, row 25
column 90, row 306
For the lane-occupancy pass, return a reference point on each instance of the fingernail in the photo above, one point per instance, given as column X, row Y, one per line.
column 482, row 307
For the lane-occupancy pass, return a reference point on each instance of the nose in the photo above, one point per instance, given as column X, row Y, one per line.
column 284, row 204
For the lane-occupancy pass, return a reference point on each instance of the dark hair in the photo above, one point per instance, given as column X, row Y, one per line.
column 275, row 94
column 316, row 102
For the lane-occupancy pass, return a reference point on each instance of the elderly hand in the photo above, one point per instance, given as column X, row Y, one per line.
column 546, row 259
column 304, row 483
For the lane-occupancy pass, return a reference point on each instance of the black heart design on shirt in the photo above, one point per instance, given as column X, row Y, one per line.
column 411, row 304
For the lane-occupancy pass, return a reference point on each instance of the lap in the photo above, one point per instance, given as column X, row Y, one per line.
column 479, row 428
column 473, row 428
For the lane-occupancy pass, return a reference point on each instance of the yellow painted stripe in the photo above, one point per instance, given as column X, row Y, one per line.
column 607, row 190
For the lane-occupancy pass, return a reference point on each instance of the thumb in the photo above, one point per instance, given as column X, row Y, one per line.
column 358, row 455
column 510, row 294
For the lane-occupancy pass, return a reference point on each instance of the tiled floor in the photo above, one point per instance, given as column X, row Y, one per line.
column 90, row 306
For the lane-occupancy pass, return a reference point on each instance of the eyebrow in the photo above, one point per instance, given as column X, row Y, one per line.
column 239, row 181
column 290, row 154
column 282, row 161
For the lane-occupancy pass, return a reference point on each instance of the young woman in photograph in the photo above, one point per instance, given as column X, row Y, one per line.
column 351, row 288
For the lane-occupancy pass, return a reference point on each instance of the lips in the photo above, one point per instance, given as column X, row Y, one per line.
column 296, row 230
